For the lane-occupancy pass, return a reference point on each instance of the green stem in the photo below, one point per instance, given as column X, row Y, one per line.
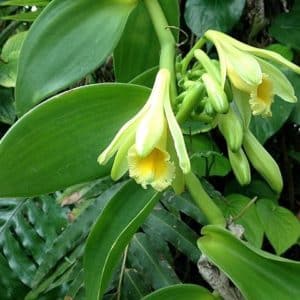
column 166, row 41
column 203, row 201
column 189, row 102
column 187, row 59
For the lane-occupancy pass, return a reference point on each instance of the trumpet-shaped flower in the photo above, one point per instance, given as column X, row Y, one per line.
column 141, row 144
column 249, row 72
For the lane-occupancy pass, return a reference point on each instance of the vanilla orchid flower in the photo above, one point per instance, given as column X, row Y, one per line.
column 248, row 70
column 142, row 143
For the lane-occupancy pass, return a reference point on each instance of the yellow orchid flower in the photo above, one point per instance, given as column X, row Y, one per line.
column 142, row 143
column 249, row 72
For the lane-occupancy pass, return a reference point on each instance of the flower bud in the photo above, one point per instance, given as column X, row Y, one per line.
column 262, row 161
column 240, row 166
column 231, row 128
column 216, row 94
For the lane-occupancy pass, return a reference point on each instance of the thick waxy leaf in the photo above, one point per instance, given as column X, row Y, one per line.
column 181, row 292
column 57, row 144
column 112, row 232
column 258, row 274
column 288, row 22
column 68, row 40
column 134, row 53
column 217, row 14
column 281, row 226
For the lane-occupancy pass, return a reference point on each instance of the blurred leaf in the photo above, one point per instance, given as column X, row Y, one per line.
column 134, row 54
column 134, row 285
column 10, row 57
column 54, row 36
column 174, row 231
column 155, row 269
column 57, row 144
column 23, row 17
column 28, row 229
column 25, row 2
column 295, row 80
column 258, row 274
column 68, row 242
column 220, row 15
column 184, row 204
column 206, row 158
column 146, row 78
column 283, row 50
column 281, row 226
column 7, row 109
column 181, row 292
column 256, row 188
column 109, row 236
column 11, row 288
column 285, row 27
column 295, row 155
column 232, row 206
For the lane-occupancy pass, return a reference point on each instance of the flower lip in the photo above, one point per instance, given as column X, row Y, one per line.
column 155, row 169
column 262, row 97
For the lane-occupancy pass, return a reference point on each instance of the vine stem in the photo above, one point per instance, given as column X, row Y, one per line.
column 203, row 201
column 187, row 59
column 122, row 273
column 166, row 41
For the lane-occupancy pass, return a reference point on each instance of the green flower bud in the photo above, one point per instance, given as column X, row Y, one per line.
column 262, row 161
column 240, row 166
column 216, row 94
column 231, row 128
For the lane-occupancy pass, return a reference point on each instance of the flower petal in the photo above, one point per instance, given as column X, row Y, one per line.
column 177, row 136
column 282, row 86
column 152, row 125
column 121, row 136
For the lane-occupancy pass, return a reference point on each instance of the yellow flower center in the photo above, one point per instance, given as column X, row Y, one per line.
column 154, row 169
column 262, row 97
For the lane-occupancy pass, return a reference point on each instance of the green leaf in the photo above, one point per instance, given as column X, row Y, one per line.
column 287, row 22
column 174, row 231
column 232, row 206
column 221, row 15
column 258, row 274
column 295, row 80
column 23, row 17
column 57, row 144
column 53, row 55
column 28, row 229
column 206, row 159
column 181, row 292
column 134, row 54
column 264, row 128
column 10, row 56
column 146, row 78
column 109, row 236
column 281, row 226
column 134, row 286
column 73, row 235
column 155, row 268
column 283, row 50
column 24, row 2
column 184, row 204
column 7, row 109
